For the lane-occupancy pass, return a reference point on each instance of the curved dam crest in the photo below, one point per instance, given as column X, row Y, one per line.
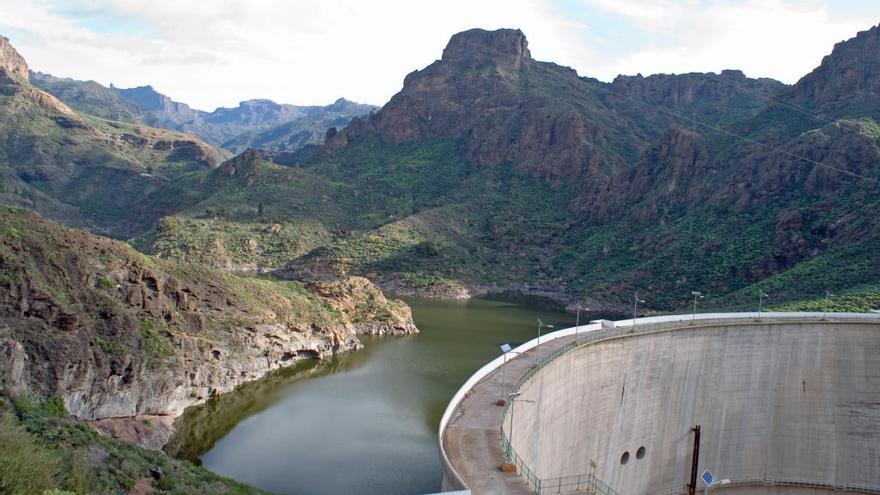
column 790, row 400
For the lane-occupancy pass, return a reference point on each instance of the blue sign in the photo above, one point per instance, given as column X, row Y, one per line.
column 505, row 348
column 707, row 477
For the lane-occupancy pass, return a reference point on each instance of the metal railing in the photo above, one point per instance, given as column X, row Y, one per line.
column 816, row 485
column 577, row 483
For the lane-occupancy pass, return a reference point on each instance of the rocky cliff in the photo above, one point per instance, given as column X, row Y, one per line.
column 846, row 78
column 117, row 334
column 12, row 65
column 552, row 124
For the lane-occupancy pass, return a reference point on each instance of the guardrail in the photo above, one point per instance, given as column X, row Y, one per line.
column 453, row 480
column 576, row 483
column 579, row 483
column 816, row 485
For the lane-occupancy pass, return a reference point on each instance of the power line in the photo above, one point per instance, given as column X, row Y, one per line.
column 798, row 108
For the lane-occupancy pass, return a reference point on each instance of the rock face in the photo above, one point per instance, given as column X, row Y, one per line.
column 262, row 123
column 151, row 100
column 507, row 49
column 117, row 334
column 558, row 127
column 849, row 75
column 12, row 65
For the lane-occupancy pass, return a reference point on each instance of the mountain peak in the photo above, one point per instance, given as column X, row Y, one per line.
column 505, row 47
column 850, row 74
column 12, row 65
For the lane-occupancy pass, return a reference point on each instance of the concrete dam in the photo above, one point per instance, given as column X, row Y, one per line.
column 786, row 403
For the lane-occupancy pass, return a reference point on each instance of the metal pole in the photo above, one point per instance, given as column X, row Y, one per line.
column 696, row 294
column 577, row 328
column 827, row 302
column 510, row 436
column 538, row 346
column 692, row 487
column 504, row 377
column 635, row 307
column 760, row 304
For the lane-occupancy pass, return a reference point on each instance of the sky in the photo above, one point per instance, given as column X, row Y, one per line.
column 211, row 53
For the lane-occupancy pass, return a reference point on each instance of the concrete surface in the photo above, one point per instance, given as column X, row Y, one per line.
column 786, row 401
column 789, row 397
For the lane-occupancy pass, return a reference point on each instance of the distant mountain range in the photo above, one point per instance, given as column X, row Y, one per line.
column 490, row 170
column 270, row 126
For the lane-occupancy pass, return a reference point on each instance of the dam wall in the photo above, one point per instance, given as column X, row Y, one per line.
column 775, row 401
column 787, row 403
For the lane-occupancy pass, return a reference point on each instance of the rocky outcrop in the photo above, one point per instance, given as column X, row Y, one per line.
column 712, row 99
column 566, row 130
column 12, row 65
column 151, row 100
column 847, row 78
column 119, row 335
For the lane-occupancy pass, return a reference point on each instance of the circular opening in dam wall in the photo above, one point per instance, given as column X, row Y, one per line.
column 624, row 458
column 640, row 453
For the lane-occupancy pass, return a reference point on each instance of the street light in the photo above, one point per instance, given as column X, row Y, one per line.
column 512, row 398
column 761, row 297
column 541, row 324
column 827, row 303
column 504, row 373
column 578, row 321
column 697, row 295
column 636, row 302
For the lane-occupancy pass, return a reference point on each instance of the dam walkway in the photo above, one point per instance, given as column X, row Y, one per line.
column 472, row 437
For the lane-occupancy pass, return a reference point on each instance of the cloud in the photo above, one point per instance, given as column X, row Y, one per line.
column 769, row 38
column 218, row 52
column 308, row 51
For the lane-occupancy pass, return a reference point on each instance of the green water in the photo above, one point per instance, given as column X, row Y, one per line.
column 361, row 423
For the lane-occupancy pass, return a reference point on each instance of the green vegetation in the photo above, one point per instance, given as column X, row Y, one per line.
column 156, row 346
column 857, row 299
column 44, row 452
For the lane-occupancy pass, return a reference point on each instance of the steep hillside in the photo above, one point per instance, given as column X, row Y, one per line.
column 89, row 97
column 91, row 170
column 116, row 334
column 45, row 452
column 490, row 169
column 311, row 128
column 264, row 124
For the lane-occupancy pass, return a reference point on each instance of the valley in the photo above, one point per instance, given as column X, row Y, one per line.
column 206, row 282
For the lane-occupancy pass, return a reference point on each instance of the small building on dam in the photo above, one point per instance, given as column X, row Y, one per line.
column 766, row 403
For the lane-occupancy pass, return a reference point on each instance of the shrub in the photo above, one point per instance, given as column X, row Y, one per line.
column 25, row 467
column 12, row 233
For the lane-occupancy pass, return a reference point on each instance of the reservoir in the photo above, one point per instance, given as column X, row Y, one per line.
column 362, row 422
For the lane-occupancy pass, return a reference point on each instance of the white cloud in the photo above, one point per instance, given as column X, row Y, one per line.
column 210, row 53
column 764, row 38
column 218, row 52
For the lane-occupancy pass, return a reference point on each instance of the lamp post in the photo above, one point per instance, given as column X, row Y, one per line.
column 827, row 303
column 761, row 297
column 541, row 325
column 697, row 295
column 578, row 321
column 636, row 302
column 512, row 397
column 504, row 373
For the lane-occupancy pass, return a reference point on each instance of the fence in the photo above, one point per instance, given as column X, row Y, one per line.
column 578, row 483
